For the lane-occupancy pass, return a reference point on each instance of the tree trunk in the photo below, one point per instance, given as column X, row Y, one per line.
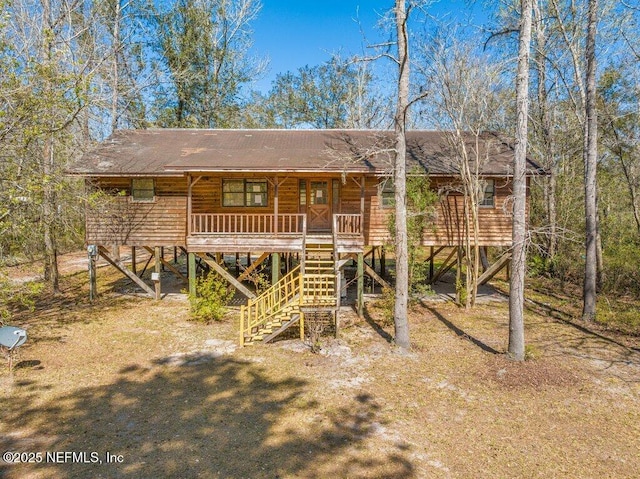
column 115, row 87
column 48, row 217
column 401, row 242
column 546, row 128
column 518, row 260
column 48, row 189
column 590, row 166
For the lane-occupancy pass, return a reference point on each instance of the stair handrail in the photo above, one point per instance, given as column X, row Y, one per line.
column 318, row 289
column 259, row 310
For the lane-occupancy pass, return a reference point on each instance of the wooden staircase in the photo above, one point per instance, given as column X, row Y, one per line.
column 310, row 287
column 319, row 276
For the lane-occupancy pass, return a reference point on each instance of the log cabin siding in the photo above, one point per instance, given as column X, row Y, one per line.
column 164, row 221
column 125, row 222
column 447, row 226
column 207, row 195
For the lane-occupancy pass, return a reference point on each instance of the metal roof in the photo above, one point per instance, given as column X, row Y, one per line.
column 158, row 152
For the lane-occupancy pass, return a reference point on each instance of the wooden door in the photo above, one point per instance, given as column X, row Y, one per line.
column 319, row 206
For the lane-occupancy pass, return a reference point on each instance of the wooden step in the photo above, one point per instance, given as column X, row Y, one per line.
column 284, row 327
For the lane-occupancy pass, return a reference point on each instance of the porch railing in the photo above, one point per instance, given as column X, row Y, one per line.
column 240, row 223
column 249, row 223
column 347, row 224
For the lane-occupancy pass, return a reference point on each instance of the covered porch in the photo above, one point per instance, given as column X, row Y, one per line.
column 233, row 213
column 238, row 232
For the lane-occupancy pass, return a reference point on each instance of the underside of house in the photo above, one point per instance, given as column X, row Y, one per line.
column 307, row 202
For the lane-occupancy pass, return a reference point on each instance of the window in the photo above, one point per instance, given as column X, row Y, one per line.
column 387, row 193
column 335, row 195
column 488, row 197
column 302, row 188
column 244, row 193
column 319, row 192
column 143, row 189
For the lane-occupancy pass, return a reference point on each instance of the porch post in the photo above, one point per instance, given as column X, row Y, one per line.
column 157, row 270
column 275, row 268
column 192, row 274
column 92, row 251
column 362, row 185
column 360, row 300
column 431, row 255
column 133, row 260
column 275, row 207
column 189, row 205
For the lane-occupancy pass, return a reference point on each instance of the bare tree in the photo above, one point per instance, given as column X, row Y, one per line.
column 544, row 127
column 465, row 101
column 400, row 179
column 518, row 260
column 590, row 169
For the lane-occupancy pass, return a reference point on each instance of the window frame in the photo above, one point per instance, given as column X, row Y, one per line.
column 386, row 187
column 145, row 199
column 248, row 193
column 488, row 199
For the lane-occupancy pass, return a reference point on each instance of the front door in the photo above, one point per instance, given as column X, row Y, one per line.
column 318, row 205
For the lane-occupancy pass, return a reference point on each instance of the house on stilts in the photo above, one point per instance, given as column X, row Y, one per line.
column 308, row 202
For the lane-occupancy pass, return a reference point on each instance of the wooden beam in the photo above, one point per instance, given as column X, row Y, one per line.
column 171, row 267
column 445, row 267
column 362, row 194
column 371, row 272
column 342, row 261
column 360, row 275
column 251, row 267
column 226, row 275
column 146, row 265
column 495, row 268
column 119, row 265
column 275, row 206
column 190, row 185
column 158, row 271
column 433, row 254
column 191, row 262
column 275, row 268
column 93, row 285
column 338, row 288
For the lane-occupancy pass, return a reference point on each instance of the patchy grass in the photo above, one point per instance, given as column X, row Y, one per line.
column 175, row 398
column 621, row 315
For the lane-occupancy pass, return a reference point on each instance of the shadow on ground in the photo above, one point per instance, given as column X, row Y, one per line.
column 208, row 417
column 458, row 331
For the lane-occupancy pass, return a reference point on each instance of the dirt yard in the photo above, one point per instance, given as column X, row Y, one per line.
column 129, row 388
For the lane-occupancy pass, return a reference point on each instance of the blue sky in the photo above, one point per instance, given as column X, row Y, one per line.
column 294, row 33
column 297, row 33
